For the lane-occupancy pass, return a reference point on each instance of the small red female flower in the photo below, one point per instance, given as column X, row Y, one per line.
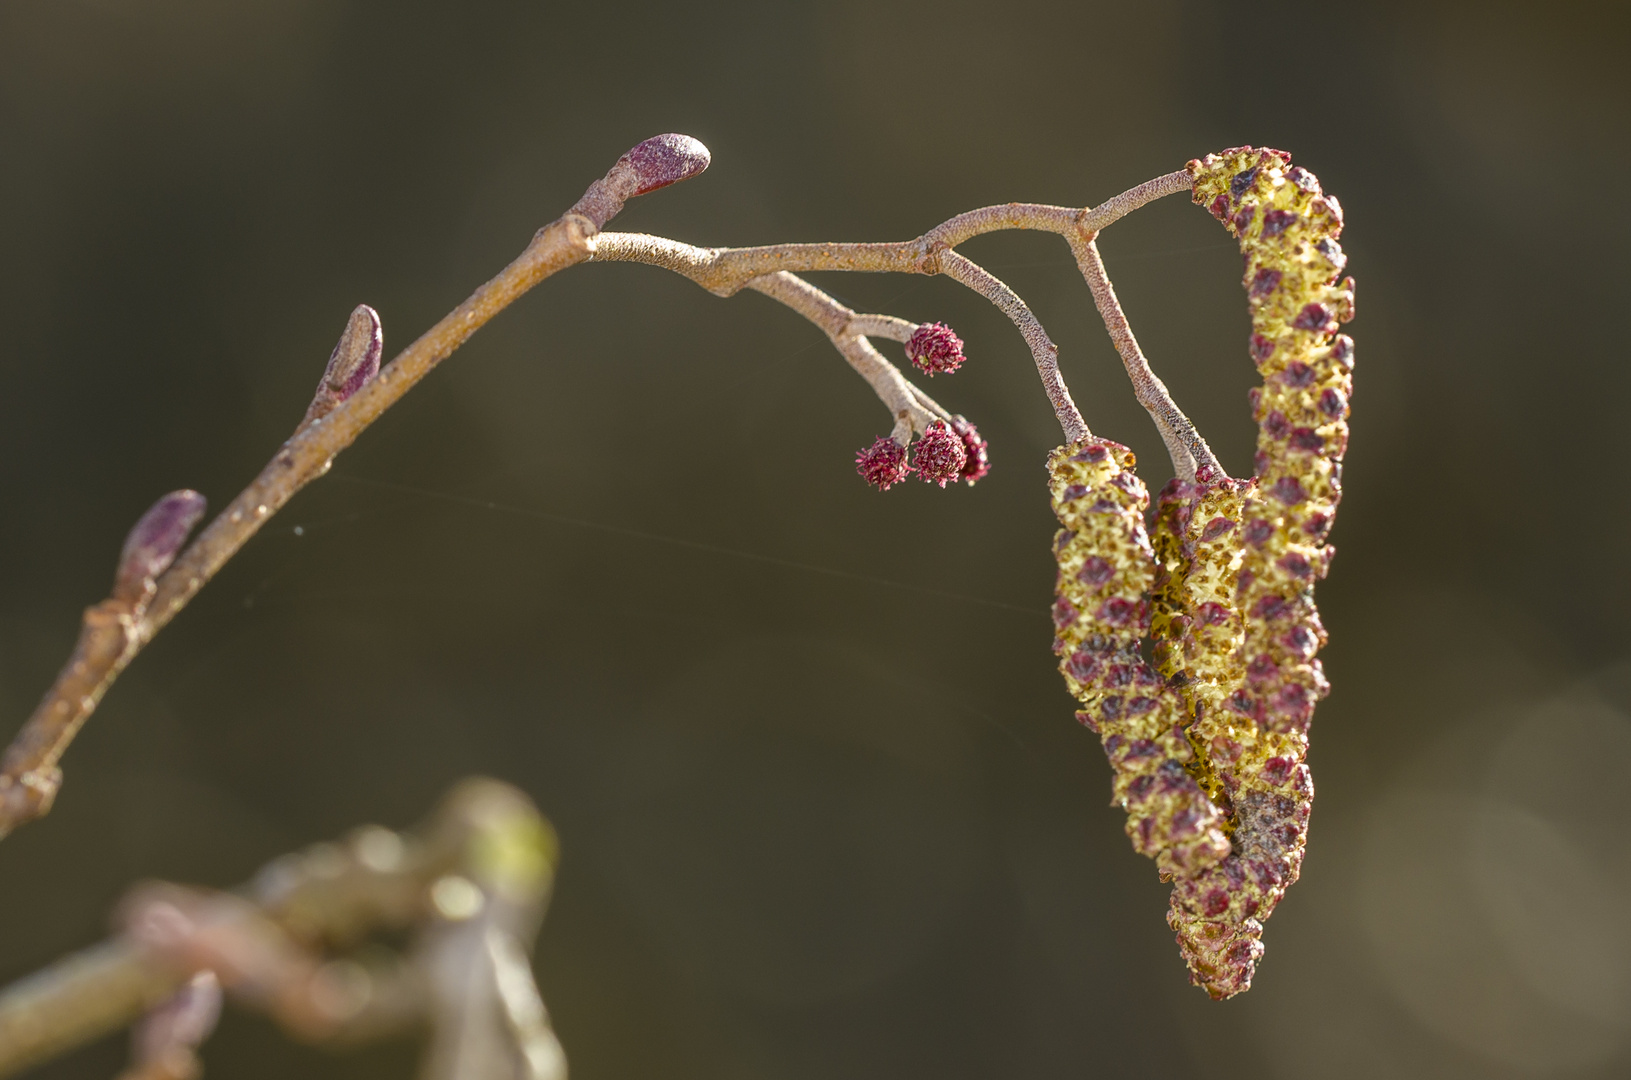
column 940, row 456
column 882, row 464
column 978, row 461
column 935, row 348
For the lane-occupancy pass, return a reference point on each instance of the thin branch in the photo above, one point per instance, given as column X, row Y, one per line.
column 723, row 271
column 349, row 400
column 700, row 265
column 114, row 633
column 1043, row 350
column 1189, row 451
column 911, row 409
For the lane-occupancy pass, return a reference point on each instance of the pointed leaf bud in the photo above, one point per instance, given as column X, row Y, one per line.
column 170, row 1033
column 935, row 349
column 659, row 161
column 352, row 364
column 882, row 464
column 974, row 448
column 154, row 543
column 940, row 457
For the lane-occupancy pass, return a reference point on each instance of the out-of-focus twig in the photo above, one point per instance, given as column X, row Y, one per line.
column 472, row 885
column 164, row 1045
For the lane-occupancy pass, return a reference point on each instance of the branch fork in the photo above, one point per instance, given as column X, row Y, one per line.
column 157, row 576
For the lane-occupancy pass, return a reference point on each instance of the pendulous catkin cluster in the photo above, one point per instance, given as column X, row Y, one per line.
column 1223, row 588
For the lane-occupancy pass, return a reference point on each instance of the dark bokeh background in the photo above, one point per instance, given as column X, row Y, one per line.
column 836, row 821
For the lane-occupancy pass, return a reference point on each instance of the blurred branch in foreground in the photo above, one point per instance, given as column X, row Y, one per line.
column 296, row 943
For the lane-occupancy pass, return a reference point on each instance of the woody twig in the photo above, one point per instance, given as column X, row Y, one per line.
column 294, row 943
column 158, row 576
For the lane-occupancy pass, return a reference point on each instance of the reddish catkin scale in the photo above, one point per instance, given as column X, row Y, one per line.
column 1251, row 630
column 1101, row 614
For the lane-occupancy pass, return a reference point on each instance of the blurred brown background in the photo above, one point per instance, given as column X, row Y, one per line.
column 816, row 824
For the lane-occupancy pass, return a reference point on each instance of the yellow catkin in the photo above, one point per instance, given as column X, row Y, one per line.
column 1244, row 556
column 1101, row 615
column 1196, row 537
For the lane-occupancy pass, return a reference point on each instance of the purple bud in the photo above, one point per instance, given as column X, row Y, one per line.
column 883, row 464
column 940, row 456
column 935, row 348
column 655, row 163
column 154, row 543
column 352, row 364
column 665, row 159
column 181, row 1023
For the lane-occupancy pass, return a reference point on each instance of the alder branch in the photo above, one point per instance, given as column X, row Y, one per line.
column 724, row 271
column 701, row 265
column 151, row 589
column 115, row 631
column 472, row 884
column 1043, row 350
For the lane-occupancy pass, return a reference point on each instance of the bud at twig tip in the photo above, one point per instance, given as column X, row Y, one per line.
column 659, row 161
column 154, row 543
column 666, row 159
